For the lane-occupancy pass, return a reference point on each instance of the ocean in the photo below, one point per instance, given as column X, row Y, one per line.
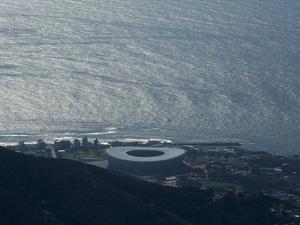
column 185, row 70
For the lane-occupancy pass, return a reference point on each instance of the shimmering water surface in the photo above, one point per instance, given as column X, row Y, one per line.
column 178, row 69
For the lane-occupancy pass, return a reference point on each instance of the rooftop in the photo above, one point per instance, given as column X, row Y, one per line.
column 145, row 154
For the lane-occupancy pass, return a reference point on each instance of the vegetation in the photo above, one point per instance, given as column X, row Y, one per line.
column 83, row 155
column 40, row 191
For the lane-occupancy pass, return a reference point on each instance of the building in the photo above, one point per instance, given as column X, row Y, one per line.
column 96, row 144
column 62, row 145
column 85, row 143
column 145, row 159
column 76, row 144
column 170, row 181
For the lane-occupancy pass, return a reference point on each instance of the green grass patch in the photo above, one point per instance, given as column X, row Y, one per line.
column 81, row 155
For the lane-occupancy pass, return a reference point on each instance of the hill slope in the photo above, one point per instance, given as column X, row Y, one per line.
column 39, row 191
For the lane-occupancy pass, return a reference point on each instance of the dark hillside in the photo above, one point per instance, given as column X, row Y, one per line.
column 64, row 192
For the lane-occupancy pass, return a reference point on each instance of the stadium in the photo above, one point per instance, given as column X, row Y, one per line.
column 145, row 159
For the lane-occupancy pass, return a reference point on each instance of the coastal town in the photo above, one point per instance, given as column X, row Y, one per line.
column 221, row 167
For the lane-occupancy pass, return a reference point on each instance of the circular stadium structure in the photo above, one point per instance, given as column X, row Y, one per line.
column 144, row 159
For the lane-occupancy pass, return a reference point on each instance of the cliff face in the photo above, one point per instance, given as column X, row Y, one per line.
column 39, row 191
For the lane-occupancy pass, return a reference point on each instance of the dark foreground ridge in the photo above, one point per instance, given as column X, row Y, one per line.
column 40, row 191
